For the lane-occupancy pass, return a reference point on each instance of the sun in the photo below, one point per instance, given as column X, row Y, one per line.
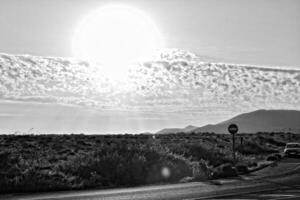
column 116, row 36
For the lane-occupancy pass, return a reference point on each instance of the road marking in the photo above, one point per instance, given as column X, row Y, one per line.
column 277, row 195
column 298, row 197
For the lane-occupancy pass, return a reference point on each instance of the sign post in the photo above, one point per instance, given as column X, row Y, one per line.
column 233, row 129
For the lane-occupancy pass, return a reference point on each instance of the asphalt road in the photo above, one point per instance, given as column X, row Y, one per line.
column 281, row 180
column 291, row 193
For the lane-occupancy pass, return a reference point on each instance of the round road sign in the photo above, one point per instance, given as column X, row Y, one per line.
column 233, row 128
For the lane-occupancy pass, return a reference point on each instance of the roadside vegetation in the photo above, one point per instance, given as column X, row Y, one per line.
column 64, row 162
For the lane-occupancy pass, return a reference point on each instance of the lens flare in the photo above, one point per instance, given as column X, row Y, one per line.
column 165, row 172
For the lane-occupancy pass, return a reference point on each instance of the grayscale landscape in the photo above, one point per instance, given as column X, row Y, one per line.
column 109, row 99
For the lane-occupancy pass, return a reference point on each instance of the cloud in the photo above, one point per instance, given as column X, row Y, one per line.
column 6, row 115
column 177, row 81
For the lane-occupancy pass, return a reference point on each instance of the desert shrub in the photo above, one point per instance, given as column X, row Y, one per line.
column 228, row 170
column 5, row 157
column 253, row 164
column 200, row 170
column 253, row 148
column 197, row 153
column 39, row 180
column 224, row 170
column 278, row 156
column 111, row 166
column 242, row 168
column 122, row 166
column 19, row 175
column 272, row 158
column 275, row 142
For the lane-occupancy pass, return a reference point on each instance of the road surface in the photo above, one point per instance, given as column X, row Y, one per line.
column 290, row 193
column 282, row 181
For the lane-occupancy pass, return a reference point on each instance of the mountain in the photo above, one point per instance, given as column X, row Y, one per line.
column 252, row 122
column 189, row 128
column 170, row 130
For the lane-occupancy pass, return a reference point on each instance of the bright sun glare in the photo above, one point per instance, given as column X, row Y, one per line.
column 116, row 36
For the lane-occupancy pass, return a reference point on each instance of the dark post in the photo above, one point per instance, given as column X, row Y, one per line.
column 233, row 129
column 233, row 147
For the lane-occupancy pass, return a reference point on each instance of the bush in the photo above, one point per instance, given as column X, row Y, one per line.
column 200, row 170
column 119, row 163
column 198, row 152
column 278, row 156
column 121, row 166
column 242, row 168
column 275, row 142
column 253, row 164
column 224, row 170
column 253, row 148
column 272, row 158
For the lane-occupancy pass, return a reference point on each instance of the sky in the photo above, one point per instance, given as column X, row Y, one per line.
column 46, row 92
column 263, row 32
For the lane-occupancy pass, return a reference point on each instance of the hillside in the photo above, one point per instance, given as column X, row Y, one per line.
column 252, row 122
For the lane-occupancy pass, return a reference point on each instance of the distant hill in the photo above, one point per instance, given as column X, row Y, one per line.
column 252, row 122
column 189, row 128
column 170, row 130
